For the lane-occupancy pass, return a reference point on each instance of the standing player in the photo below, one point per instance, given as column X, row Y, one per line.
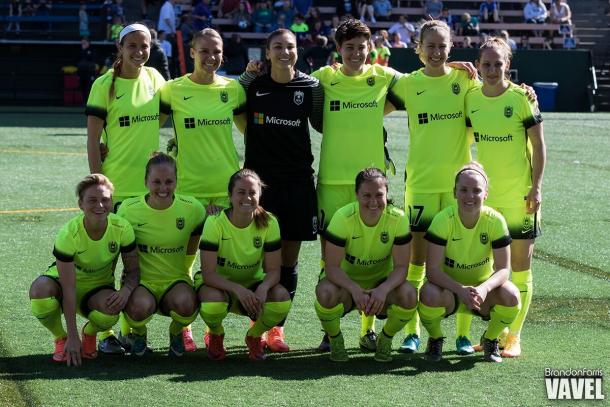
column 240, row 262
column 281, row 102
column 123, row 111
column 468, row 263
column 167, row 228
column 510, row 144
column 81, row 280
column 367, row 254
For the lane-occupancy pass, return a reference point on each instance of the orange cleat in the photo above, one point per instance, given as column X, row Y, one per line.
column 187, row 338
column 275, row 340
column 58, row 353
column 512, row 347
column 255, row 348
column 215, row 346
column 89, row 345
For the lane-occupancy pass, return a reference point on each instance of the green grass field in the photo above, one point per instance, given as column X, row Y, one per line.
column 42, row 156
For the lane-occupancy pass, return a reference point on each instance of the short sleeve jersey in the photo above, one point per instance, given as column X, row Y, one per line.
column 368, row 249
column 500, row 131
column 353, row 122
column 240, row 251
column 131, row 126
column 203, row 123
column 94, row 259
column 278, row 145
column 438, row 144
column 162, row 236
column 468, row 252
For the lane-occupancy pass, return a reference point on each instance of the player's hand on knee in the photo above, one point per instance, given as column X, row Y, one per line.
column 249, row 301
column 361, row 299
column 376, row 301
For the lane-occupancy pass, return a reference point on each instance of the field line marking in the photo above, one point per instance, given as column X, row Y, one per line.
column 41, row 210
column 40, row 152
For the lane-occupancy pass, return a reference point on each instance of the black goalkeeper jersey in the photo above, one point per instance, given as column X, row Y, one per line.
column 278, row 146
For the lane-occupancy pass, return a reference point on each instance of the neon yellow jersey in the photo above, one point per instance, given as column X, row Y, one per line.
column 93, row 259
column 468, row 252
column 240, row 251
column 163, row 236
column 131, row 126
column 500, row 131
column 438, row 144
column 203, row 123
column 368, row 249
column 353, row 122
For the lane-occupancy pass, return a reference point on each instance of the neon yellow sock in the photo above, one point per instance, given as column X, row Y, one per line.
column 189, row 260
column 180, row 321
column 415, row 277
column 431, row 318
column 330, row 318
column 98, row 321
column 48, row 312
column 213, row 313
column 273, row 313
column 124, row 326
column 137, row 327
column 463, row 320
column 398, row 317
column 367, row 323
column 501, row 317
column 523, row 281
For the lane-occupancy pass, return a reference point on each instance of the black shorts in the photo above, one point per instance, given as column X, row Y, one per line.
column 295, row 206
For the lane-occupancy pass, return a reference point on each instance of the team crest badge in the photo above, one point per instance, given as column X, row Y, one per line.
column 370, row 81
column 484, row 238
column 257, row 242
column 314, row 224
column 527, row 225
column 455, row 88
column 508, row 111
column 113, row 247
column 299, row 96
column 385, row 237
column 180, row 223
column 224, row 97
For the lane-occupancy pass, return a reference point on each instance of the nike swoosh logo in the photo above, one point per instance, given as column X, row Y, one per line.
column 262, row 94
column 474, row 111
column 356, row 237
column 419, row 93
column 187, row 97
column 81, row 252
column 453, row 239
column 118, row 97
column 141, row 224
column 334, row 83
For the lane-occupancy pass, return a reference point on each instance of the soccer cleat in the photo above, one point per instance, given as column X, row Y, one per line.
column 491, row 350
column 410, row 344
column 89, row 343
column 111, row 346
column 324, row 346
column 58, row 353
column 337, row 349
column 512, row 347
column 176, row 345
column 368, row 342
column 463, row 346
column 187, row 339
column 255, row 346
column 434, row 350
column 502, row 338
column 137, row 344
column 384, row 348
column 275, row 340
column 215, row 346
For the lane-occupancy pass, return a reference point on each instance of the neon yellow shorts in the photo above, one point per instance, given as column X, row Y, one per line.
column 422, row 208
column 332, row 198
column 160, row 288
column 521, row 225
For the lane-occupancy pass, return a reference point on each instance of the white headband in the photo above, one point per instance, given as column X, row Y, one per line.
column 131, row 28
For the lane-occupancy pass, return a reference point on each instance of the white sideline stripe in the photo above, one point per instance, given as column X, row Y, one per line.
column 41, row 152
column 41, row 210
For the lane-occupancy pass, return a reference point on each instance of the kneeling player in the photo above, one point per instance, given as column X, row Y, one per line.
column 367, row 253
column 240, row 262
column 82, row 280
column 468, row 266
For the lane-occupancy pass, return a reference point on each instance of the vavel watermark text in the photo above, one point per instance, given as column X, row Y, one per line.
column 574, row 384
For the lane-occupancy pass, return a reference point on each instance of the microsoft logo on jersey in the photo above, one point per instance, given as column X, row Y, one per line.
column 191, row 122
column 260, row 118
column 337, row 105
column 126, row 121
column 425, row 118
column 486, row 137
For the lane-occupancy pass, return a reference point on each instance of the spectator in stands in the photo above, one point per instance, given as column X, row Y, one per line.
column 83, row 21
column 314, row 15
column 317, row 56
column 334, row 23
column 451, row 20
column 383, row 9
column 316, row 30
column 525, row 42
column 167, row 19
column 14, row 9
column 187, row 28
column 397, row 42
column 404, row 29
column 28, row 8
column 116, row 9
column 167, row 48
column 288, row 12
column 469, row 25
column 43, row 9
column 157, row 58
column 228, row 7
column 236, row 56
column 302, row 6
column 365, row 8
column 241, row 17
column 202, row 15
column 144, row 7
column 386, row 37
column 511, row 43
column 300, row 29
column 280, row 22
column 535, row 12
column 115, row 28
column 383, row 52
column 433, row 8
column 488, row 12
column 263, row 18
column 467, row 42
column 86, row 67
column 561, row 13
column 345, row 7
